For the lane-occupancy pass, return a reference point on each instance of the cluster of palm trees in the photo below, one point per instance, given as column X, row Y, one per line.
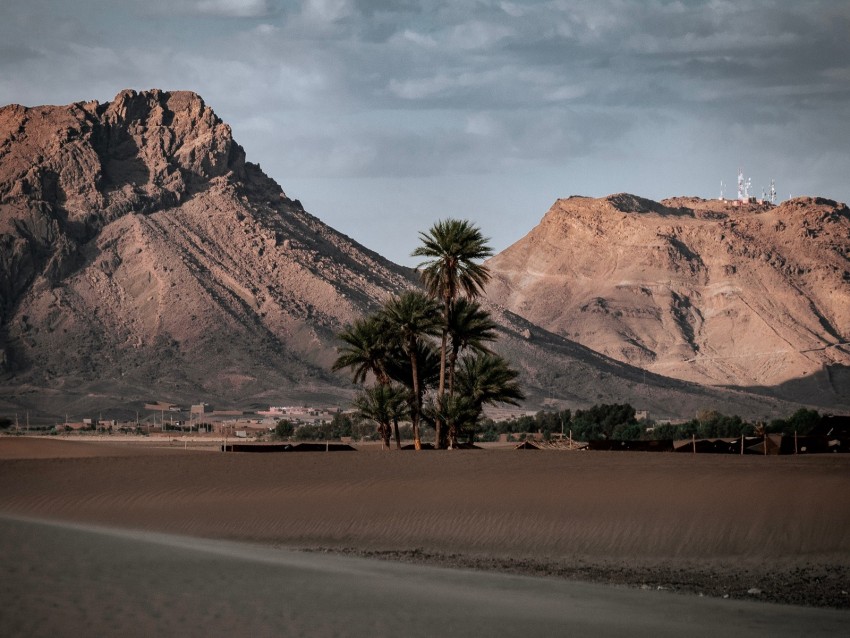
column 426, row 350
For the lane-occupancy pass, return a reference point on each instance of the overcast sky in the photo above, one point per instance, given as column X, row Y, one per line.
column 383, row 116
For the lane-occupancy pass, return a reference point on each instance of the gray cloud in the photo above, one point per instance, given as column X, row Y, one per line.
column 214, row 8
column 552, row 97
column 235, row 8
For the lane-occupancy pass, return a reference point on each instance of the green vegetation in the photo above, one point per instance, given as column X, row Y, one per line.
column 618, row 422
column 342, row 425
column 544, row 422
column 426, row 350
column 385, row 404
column 801, row 422
column 284, row 429
column 615, row 421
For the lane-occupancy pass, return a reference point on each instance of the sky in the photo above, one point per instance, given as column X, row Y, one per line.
column 385, row 116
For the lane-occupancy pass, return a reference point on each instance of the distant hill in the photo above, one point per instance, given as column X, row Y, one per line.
column 707, row 291
column 144, row 258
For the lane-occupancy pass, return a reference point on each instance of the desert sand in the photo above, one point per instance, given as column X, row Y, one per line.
column 141, row 537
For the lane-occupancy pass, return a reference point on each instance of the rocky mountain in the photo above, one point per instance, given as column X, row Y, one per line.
column 142, row 257
column 708, row 291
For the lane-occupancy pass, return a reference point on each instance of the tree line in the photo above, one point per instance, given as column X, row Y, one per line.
column 618, row 422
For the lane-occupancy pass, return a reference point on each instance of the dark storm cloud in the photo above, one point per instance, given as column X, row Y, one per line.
column 683, row 57
column 599, row 96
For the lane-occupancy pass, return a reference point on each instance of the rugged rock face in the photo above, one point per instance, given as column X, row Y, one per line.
column 144, row 258
column 698, row 290
column 67, row 172
column 141, row 251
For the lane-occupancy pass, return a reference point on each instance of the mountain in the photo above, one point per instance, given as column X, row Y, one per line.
column 714, row 292
column 144, row 258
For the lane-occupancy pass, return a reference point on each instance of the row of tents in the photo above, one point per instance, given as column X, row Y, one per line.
column 772, row 444
column 832, row 434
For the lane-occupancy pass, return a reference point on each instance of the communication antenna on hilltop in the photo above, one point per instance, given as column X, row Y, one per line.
column 741, row 184
column 772, row 191
column 747, row 185
column 722, row 190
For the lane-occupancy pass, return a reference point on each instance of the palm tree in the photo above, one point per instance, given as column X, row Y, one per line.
column 456, row 411
column 470, row 326
column 427, row 365
column 382, row 404
column 399, row 409
column 486, row 378
column 399, row 370
column 365, row 349
column 451, row 247
column 413, row 316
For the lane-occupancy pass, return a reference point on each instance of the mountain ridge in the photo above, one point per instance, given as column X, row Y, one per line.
column 144, row 257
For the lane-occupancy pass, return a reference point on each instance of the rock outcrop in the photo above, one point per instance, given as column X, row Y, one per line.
column 67, row 172
column 700, row 290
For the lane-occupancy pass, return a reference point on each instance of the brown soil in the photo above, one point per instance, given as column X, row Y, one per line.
column 719, row 526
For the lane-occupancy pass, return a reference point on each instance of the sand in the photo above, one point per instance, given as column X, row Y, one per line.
column 701, row 524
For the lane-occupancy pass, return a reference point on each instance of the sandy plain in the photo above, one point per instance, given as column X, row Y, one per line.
column 130, row 538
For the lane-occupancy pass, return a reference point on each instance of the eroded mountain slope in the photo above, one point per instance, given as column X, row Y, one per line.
column 140, row 250
column 704, row 291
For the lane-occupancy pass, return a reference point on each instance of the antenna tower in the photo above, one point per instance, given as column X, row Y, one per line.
column 722, row 190
column 772, row 191
column 741, row 184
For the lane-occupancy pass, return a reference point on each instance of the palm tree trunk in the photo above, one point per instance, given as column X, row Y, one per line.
column 385, row 435
column 396, row 433
column 452, row 433
column 447, row 308
column 438, row 424
column 452, row 366
column 417, row 398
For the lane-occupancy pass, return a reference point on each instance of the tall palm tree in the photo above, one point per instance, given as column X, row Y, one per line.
column 365, row 349
column 486, row 378
column 470, row 326
column 399, row 370
column 451, row 248
column 382, row 404
column 413, row 316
